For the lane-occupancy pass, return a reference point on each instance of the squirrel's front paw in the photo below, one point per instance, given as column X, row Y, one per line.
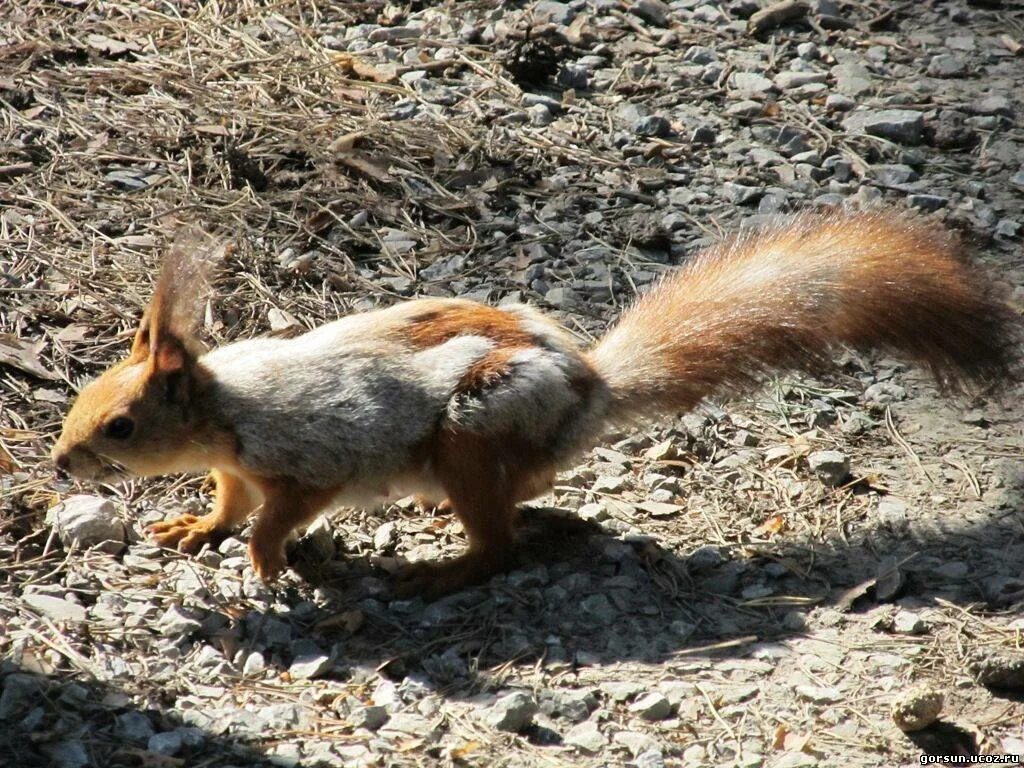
column 186, row 533
column 267, row 558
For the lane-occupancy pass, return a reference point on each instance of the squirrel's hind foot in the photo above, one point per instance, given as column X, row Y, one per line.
column 431, row 580
column 186, row 533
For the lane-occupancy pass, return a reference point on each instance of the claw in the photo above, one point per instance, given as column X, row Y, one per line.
column 186, row 533
column 269, row 562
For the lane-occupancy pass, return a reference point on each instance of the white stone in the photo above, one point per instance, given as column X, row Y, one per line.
column 83, row 521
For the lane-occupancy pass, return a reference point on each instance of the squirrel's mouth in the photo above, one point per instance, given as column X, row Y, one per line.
column 85, row 464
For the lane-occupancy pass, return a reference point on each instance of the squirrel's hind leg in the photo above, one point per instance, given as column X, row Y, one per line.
column 235, row 498
column 482, row 482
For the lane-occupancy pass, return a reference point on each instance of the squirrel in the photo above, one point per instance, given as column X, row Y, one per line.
column 480, row 406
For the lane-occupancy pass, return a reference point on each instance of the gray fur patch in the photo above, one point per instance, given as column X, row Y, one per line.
column 349, row 414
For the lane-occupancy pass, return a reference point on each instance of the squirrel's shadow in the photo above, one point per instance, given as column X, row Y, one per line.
column 580, row 596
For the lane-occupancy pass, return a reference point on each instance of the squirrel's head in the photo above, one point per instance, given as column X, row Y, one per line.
column 140, row 417
column 137, row 418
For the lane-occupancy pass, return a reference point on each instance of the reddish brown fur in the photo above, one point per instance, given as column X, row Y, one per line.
column 487, row 370
column 485, row 476
column 781, row 299
column 439, row 325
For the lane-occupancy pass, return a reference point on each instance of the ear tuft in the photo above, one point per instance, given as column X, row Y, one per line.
column 167, row 332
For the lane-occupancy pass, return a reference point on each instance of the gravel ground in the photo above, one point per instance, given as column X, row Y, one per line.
column 777, row 581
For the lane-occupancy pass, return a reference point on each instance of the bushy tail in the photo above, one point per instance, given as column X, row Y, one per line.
column 783, row 297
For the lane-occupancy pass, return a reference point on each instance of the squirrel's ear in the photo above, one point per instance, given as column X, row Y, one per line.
column 140, row 345
column 166, row 335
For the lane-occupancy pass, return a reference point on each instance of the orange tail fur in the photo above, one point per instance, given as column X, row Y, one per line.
column 782, row 298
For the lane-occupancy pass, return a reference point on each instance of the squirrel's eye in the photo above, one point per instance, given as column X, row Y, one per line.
column 119, row 428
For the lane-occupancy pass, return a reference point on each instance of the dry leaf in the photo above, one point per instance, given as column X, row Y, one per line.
column 7, row 463
column 771, row 526
column 346, row 143
column 109, row 45
column 366, row 167
column 350, row 621
column 464, row 751
column 850, row 596
column 364, row 70
column 24, row 356
column 213, row 130
column 796, row 742
column 780, row 737
column 73, row 332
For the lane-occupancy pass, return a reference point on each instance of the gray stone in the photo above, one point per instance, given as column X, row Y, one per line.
column 178, row 621
column 652, row 125
column 532, row 99
column 134, row 727
column 562, row 298
column 831, row 467
column 385, row 536
column 892, row 512
column 700, row 54
column 788, row 80
column 512, row 713
column 746, row 108
column 573, row 705
column 169, row 743
column 884, row 393
column 319, row 537
column 654, row 11
column 703, row 134
column 310, row 661
column 909, row 623
column 68, row 753
column 903, row 126
column 795, row 760
column 556, row 13
column 740, row 194
column 992, row 105
column 893, row 175
column 819, row 694
column 1008, row 228
column 540, row 115
column 599, row 607
column 254, row 664
column 926, row 202
column 947, row 65
column 371, row 717
column 838, row 102
column 586, row 737
column 653, row 706
column 84, row 521
column 393, row 34
column 636, row 742
column 705, row 558
column 652, row 758
column 852, row 79
column 750, row 85
column 620, row 691
column 443, row 269
column 55, row 608
column 20, row 692
column 807, row 51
